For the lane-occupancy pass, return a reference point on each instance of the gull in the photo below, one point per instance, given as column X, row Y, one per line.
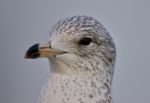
column 82, row 56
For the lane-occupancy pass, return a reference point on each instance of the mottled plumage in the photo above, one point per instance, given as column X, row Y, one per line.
column 83, row 72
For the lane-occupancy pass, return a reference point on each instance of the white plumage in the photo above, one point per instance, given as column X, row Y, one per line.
column 82, row 56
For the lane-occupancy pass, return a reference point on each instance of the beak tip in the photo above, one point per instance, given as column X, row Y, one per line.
column 32, row 52
column 26, row 56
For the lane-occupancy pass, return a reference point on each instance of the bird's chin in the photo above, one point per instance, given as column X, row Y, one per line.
column 62, row 57
column 62, row 64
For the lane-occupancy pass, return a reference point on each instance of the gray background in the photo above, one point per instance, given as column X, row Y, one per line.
column 25, row 22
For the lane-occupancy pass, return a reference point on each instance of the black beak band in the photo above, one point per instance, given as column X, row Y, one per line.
column 33, row 52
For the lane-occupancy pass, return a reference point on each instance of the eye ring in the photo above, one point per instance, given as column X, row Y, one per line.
column 85, row 41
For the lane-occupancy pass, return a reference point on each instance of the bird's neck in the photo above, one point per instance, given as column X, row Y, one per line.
column 101, row 72
column 87, row 88
column 95, row 82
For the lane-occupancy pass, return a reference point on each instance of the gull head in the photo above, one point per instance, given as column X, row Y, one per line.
column 77, row 44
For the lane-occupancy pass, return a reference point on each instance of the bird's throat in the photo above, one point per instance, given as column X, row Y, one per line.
column 77, row 88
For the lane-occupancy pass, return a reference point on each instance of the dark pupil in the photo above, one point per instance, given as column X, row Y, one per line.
column 85, row 41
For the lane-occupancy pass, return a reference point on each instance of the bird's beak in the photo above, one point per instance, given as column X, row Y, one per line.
column 42, row 50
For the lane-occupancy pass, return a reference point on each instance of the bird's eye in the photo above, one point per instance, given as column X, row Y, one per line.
column 85, row 41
